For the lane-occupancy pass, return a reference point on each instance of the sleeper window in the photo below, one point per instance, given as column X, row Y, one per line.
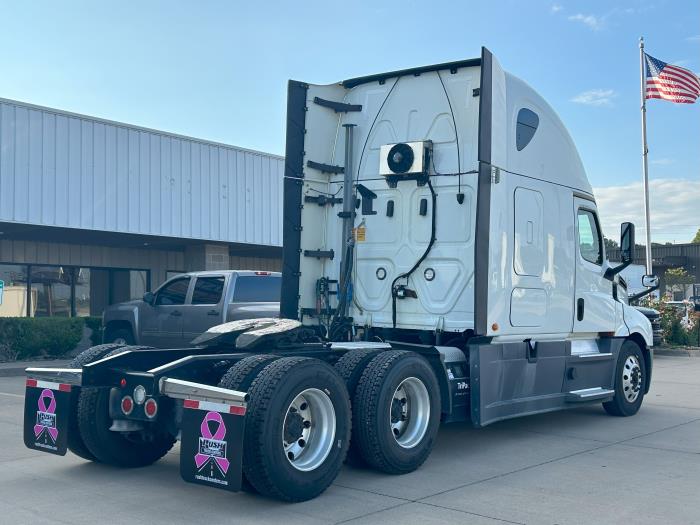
column 525, row 127
column 589, row 238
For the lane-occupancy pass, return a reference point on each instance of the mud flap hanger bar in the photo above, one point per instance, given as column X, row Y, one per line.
column 70, row 376
column 180, row 389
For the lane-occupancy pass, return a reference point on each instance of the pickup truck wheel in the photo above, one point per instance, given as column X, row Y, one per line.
column 75, row 441
column 122, row 336
column 396, row 412
column 350, row 368
column 630, row 376
column 297, row 428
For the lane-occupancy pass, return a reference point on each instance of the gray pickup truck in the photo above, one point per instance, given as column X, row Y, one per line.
column 187, row 305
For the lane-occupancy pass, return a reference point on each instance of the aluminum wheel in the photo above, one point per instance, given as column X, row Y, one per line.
column 409, row 413
column 631, row 379
column 309, row 429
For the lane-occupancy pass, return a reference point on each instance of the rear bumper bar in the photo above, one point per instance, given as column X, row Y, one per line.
column 169, row 387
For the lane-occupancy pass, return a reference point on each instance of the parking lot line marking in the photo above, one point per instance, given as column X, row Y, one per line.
column 11, row 395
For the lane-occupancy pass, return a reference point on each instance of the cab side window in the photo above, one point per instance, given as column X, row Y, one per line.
column 589, row 237
column 208, row 290
column 173, row 293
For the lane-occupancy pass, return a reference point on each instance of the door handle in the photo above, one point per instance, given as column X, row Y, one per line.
column 213, row 312
column 176, row 313
column 580, row 309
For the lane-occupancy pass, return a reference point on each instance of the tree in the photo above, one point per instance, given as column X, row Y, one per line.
column 677, row 278
column 696, row 239
column 610, row 245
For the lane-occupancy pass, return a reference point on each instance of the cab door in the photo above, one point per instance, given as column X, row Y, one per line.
column 205, row 307
column 161, row 323
column 594, row 304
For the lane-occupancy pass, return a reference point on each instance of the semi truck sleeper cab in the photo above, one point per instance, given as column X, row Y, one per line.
column 443, row 261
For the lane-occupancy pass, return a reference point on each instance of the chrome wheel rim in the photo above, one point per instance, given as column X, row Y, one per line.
column 309, row 429
column 409, row 412
column 631, row 379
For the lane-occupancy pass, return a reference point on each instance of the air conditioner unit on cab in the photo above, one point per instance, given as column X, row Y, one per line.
column 408, row 160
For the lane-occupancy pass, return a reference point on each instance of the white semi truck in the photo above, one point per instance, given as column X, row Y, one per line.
column 443, row 261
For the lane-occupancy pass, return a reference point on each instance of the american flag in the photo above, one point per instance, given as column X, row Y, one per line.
column 670, row 82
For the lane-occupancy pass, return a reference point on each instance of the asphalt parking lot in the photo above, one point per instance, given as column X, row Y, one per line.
column 578, row 466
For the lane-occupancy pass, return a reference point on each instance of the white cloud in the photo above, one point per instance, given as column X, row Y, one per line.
column 694, row 38
column 595, row 97
column 673, row 204
column 591, row 21
column 556, row 8
column 662, row 162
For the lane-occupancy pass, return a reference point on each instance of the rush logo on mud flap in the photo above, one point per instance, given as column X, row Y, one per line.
column 46, row 412
column 211, row 444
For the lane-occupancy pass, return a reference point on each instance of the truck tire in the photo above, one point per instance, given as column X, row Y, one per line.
column 350, row 368
column 135, row 449
column 297, row 428
column 75, row 441
column 122, row 336
column 630, row 375
column 241, row 375
column 396, row 412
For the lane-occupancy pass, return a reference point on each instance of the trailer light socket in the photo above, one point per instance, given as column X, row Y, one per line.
column 127, row 405
column 150, row 408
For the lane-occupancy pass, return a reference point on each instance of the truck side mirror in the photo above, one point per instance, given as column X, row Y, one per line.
column 627, row 242
column 149, row 298
column 650, row 281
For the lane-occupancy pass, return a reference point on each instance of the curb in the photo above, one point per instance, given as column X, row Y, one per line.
column 677, row 352
column 16, row 369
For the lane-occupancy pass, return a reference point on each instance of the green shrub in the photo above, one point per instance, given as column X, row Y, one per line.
column 94, row 324
column 27, row 337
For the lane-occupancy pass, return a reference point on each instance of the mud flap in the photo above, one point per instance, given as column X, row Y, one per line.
column 46, row 411
column 211, row 446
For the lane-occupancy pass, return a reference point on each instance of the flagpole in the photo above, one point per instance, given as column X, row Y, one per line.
column 645, row 150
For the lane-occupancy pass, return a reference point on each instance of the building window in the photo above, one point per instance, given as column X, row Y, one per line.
column 51, row 291
column 525, row 127
column 13, row 292
column 66, row 291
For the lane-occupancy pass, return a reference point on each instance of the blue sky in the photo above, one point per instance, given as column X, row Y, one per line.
column 218, row 70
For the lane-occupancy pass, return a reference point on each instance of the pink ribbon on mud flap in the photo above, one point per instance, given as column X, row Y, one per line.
column 43, row 409
column 201, row 458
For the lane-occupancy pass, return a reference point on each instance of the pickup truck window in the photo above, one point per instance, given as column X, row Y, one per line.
column 257, row 289
column 173, row 293
column 208, row 290
column 589, row 239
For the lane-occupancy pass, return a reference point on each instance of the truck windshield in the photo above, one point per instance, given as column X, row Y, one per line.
column 257, row 288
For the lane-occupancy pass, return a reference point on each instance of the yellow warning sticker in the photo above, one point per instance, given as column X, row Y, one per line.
column 359, row 234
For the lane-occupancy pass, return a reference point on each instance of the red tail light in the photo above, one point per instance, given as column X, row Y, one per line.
column 150, row 408
column 127, row 405
column 262, row 273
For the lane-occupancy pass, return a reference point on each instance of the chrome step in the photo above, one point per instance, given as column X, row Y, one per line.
column 589, row 394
